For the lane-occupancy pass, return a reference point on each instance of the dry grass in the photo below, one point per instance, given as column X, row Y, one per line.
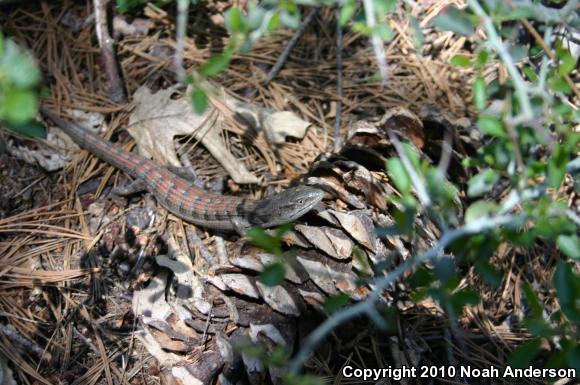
column 48, row 279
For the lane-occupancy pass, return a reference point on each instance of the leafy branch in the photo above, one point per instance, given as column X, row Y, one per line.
column 368, row 306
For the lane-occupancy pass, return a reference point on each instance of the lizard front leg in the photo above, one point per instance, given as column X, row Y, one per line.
column 240, row 225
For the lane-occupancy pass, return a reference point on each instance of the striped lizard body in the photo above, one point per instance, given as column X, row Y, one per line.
column 189, row 202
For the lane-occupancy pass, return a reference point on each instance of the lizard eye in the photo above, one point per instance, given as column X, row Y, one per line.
column 300, row 201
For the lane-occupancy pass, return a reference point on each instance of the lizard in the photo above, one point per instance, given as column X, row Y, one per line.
column 183, row 198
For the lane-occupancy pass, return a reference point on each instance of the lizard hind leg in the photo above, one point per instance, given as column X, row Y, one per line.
column 136, row 186
column 187, row 174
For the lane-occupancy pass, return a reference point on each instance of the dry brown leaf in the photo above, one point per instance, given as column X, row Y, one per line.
column 157, row 119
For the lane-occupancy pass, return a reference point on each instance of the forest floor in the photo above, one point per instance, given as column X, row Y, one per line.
column 59, row 328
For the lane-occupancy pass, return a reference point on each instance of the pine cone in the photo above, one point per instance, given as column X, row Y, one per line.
column 332, row 250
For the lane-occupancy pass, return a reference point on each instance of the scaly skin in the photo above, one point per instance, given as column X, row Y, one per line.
column 189, row 202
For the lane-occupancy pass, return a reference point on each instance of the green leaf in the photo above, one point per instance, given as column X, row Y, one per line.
column 567, row 64
column 19, row 106
column 399, row 175
column 346, row 12
column 482, row 182
column 556, row 360
column 530, row 73
column 274, row 22
column 412, row 154
column 423, row 277
column 479, row 93
column 481, row 246
column 438, row 185
column 310, row 3
column 569, row 245
column 277, row 357
column 19, row 67
column 261, row 238
column 254, row 19
column 362, row 260
column 539, row 327
column 524, row 354
column 216, row 64
column 32, row 128
column 519, row 12
column 518, row 52
column 199, row 99
column 496, row 154
column 289, row 6
column 409, row 201
column 462, row 298
column 124, row 6
column 488, row 273
column 491, row 125
column 234, row 20
column 480, row 209
column 532, row 300
column 362, row 28
column 567, row 285
column 444, row 269
column 252, row 350
column 404, row 219
column 561, row 109
column 550, row 226
column 246, row 45
column 335, row 302
column 557, row 166
column 482, row 58
column 281, row 230
column 384, row 31
column 460, row 61
column 419, row 295
column 384, row 7
column 273, row 274
column 455, row 20
column 573, row 357
column 560, row 85
column 418, row 36
column 290, row 20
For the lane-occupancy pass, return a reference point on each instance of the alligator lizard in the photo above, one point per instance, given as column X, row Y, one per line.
column 193, row 204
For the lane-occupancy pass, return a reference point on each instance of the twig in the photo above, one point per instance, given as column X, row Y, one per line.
column 514, row 137
column 207, row 324
column 446, row 150
column 520, row 86
column 28, row 187
column 422, row 193
column 516, row 197
column 367, row 306
column 376, row 40
column 448, row 236
column 548, row 15
column 116, row 91
column 573, row 216
column 297, row 35
column 573, row 166
column 339, row 82
column 182, row 11
column 549, row 52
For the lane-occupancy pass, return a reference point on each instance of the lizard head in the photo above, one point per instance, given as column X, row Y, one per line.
column 285, row 206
